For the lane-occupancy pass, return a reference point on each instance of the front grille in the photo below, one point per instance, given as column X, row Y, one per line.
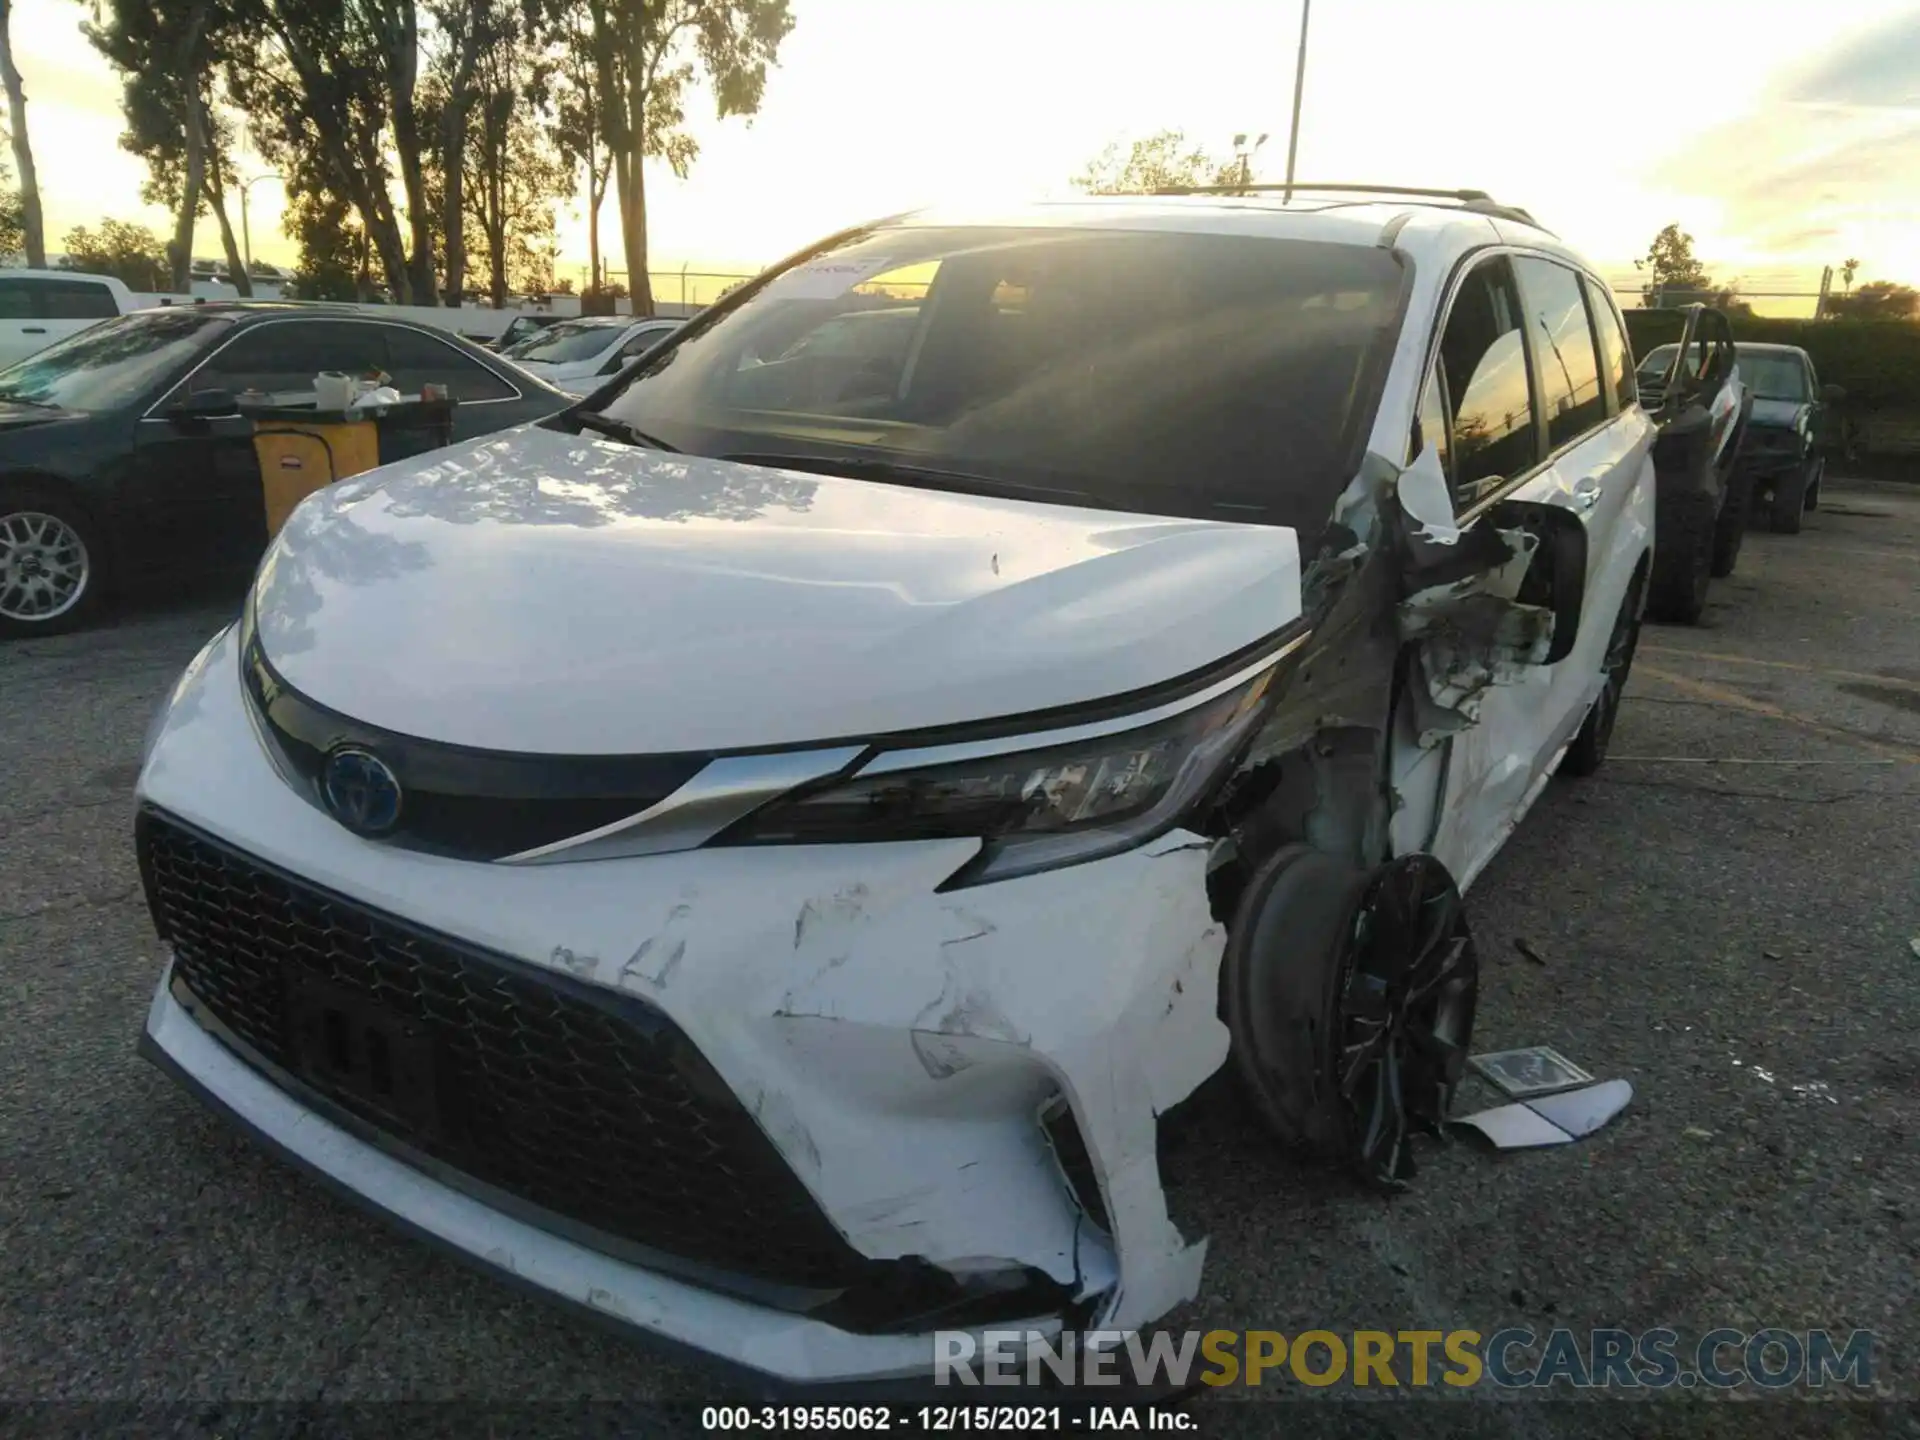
column 600, row 1112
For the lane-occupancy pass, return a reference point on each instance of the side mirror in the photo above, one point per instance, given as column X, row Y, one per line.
column 1833, row 394
column 204, row 405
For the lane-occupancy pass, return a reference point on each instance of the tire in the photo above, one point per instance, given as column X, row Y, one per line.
column 1588, row 752
column 1731, row 528
column 1790, row 501
column 53, row 565
column 1682, row 562
column 1350, row 998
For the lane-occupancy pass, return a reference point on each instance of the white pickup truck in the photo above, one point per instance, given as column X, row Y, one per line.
column 38, row 307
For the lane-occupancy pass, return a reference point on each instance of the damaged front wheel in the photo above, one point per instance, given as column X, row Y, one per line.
column 1350, row 998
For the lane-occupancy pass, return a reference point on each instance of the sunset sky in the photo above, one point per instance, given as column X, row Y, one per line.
column 1783, row 140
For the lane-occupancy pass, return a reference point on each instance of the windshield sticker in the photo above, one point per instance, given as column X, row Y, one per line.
column 826, row 279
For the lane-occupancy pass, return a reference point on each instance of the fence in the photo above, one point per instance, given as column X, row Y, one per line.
column 685, row 287
column 1806, row 304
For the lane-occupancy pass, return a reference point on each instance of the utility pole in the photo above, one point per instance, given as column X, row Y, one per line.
column 1299, row 81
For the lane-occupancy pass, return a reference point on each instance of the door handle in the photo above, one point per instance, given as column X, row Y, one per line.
column 33, row 329
column 1586, row 494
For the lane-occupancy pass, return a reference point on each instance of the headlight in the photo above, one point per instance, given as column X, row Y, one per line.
column 1073, row 796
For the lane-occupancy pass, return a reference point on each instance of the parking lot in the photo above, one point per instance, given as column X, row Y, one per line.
column 1726, row 916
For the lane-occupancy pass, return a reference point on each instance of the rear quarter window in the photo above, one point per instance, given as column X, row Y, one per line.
column 77, row 300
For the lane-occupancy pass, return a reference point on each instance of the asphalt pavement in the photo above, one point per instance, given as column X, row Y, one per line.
column 1727, row 916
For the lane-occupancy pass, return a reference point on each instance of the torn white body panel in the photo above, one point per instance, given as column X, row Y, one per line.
column 895, row 1044
column 1472, row 634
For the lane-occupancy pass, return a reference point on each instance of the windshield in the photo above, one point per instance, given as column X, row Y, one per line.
column 567, row 341
column 1657, row 363
column 1218, row 376
column 1773, row 374
column 112, row 363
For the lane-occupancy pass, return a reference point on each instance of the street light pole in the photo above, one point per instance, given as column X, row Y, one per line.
column 246, row 233
column 1299, row 81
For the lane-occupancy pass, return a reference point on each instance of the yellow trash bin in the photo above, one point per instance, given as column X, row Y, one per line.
column 298, row 457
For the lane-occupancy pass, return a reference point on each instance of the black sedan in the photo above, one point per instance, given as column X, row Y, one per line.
column 125, row 460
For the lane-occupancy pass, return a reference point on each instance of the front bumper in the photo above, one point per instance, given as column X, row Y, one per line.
column 1766, row 461
column 895, row 1046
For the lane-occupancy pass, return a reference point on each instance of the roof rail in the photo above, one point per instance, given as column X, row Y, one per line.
column 1478, row 201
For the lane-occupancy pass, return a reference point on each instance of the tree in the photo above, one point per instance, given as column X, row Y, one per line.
column 1162, row 161
column 1673, row 266
column 332, row 85
column 468, row 31
column 1848, row 269
column 168, row 51
column 577, row 131
column 33, row 237
column 648, row 56
column 1877, row 300
column 12, row 226
column 310, row 83
column 335, row 253
column 513, row 172
column 394, row 29
column 119, row 248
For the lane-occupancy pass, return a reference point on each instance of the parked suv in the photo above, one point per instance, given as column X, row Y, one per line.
column 1782, row 455
column 757, row 854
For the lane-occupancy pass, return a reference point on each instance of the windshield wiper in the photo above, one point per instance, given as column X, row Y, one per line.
column 13, row 397
column 619, row 430
column 863, row 467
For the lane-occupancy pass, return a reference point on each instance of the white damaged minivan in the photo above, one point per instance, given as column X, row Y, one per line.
column 760, row 854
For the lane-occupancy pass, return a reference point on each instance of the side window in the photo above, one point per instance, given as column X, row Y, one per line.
column 634, row 347
column 1562, row 338
column 417, row 358
column 282, row 358
column 1484, row 361
column 1432, row 425
column 643, row 342
column 1616, row 369
column 77, row 300
column 16, row 300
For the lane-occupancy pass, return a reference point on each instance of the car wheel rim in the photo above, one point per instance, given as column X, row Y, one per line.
column 44, row 566
column 1406, row 1013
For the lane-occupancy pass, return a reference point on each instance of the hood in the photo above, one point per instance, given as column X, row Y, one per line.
column 558, row 594
column 1782, row 414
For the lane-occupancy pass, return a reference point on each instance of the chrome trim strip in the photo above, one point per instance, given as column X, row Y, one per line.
column 725, row 790
column 892, row 761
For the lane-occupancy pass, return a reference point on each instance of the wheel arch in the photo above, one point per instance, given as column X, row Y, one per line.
column 61, row 486
column 64, row 491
